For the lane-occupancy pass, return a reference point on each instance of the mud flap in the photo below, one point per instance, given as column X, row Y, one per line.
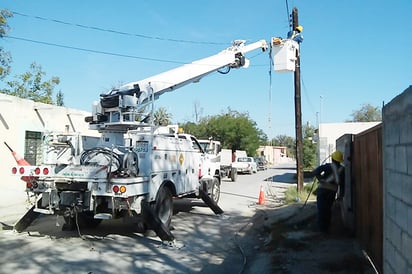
column 154, row 221
column 27, row 219
column 209, row 201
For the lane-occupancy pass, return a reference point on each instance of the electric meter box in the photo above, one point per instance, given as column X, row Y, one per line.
column 284, row 55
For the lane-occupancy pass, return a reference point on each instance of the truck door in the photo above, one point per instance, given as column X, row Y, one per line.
column 193, row 164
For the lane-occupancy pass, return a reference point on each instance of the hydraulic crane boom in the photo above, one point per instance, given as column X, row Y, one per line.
column 232, row 57
column 119, row 108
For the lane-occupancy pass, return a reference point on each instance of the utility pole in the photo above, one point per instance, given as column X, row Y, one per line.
column 298, row 111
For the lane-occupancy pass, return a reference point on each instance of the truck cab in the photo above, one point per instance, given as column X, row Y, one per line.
column 245, row 165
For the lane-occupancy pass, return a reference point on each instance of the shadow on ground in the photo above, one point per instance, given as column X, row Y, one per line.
column 286, row 240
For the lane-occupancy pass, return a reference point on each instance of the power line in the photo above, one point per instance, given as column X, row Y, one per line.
column 93, row 51
column 105, row 52
column 116, row 31
column 307, row 97
column 287, row 11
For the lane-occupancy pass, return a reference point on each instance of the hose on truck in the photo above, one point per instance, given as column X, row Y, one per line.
column 102, row 156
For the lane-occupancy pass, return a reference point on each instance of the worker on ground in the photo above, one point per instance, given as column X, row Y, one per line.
column 330, row 177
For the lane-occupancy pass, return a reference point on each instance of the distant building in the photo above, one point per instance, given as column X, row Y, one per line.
column 328, row 133
column 274, row 154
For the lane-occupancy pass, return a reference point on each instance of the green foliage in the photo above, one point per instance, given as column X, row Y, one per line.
column 30, row 85
column 60, row 98
column 4, row 26
column 162, row 117
column 5, row 61
column 309, row 147
column 291, row 194
column 263, row 138
column 367, row 113
column 286, row 141
column 233, row 129
column 5, row 56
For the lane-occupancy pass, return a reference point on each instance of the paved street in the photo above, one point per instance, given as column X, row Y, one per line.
column 205, row 242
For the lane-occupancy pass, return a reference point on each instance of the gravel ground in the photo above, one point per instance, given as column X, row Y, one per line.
column 285, row 240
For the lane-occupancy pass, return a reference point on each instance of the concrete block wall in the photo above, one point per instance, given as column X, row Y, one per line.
column 397, row 184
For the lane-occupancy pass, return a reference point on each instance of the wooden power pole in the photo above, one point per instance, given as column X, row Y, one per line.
column 298, row 111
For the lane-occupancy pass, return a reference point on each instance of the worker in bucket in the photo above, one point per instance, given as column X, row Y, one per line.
column 296, row 34
column 330, row 177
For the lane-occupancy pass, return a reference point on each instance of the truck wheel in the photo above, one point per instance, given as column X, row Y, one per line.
column 163, row 207
column 214, row 190
column 233, row 174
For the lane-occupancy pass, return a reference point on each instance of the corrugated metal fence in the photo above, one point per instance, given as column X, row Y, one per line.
column 368, row 186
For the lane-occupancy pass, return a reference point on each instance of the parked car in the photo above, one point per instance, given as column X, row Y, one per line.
column 261, row 163
column 245, row 165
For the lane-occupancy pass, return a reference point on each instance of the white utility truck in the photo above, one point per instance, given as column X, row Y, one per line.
column 222, row 157
column 225, row 158
column 134, row 169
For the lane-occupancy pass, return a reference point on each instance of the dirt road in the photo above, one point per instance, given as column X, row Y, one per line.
column 286, row 241
column 247, row 238
column 205, row 242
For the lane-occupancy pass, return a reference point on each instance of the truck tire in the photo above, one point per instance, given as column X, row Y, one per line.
column 163, row 206
column 233, row 174
column 214, row 190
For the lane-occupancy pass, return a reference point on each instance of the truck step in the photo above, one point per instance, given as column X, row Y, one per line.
column 103, row 216
column 43, row 211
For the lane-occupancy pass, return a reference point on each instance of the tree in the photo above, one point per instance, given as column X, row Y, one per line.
column 30, row 85
column 367, row 113
column 309, row 147
column 5, row 56
column 235, row 130
column 198, row 111
column 286, row 141
column 60, row 98
column 162, row 117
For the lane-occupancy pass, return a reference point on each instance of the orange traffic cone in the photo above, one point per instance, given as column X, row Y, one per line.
column 261, row 200
column 19, row 160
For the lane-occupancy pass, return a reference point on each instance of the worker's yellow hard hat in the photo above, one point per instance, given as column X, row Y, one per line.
column 299, row 28
column 337, row 156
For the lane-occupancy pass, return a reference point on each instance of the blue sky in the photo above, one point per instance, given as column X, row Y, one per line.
column 354, row 53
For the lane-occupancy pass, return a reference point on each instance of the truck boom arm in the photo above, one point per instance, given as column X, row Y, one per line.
column 232, row 57
column 118, row 107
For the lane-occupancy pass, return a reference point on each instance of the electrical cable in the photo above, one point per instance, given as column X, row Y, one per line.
column 116, row 31
column 104, row 52
column 287, row 10
column 93, row 51
column 307, row 96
